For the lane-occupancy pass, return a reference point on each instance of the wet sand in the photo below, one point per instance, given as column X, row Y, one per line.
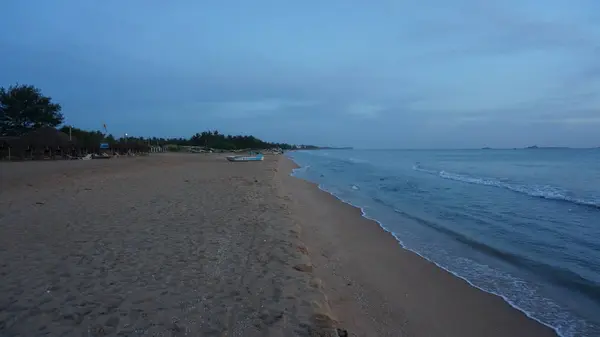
column 377, row 288
column 192, row 245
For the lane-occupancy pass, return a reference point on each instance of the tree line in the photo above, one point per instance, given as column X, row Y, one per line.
column 23, row 108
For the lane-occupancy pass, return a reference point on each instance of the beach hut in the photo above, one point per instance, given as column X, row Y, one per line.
column 47, row 142
column 11, row 148
column 131, row 148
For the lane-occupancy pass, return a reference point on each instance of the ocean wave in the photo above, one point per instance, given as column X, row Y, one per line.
column 558, row 276
column 357, row 161
column 539, row 191
column 552, row 316
column 516, row 291
column 300, row 169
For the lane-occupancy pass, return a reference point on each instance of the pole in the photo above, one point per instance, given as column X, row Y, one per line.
column 9, row 153
column 70, row 138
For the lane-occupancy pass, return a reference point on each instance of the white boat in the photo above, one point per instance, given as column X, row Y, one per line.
column 257, row 157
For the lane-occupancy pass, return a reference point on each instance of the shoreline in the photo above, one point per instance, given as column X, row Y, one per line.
column 515, row 320
column 382, row 226
column 185, row 243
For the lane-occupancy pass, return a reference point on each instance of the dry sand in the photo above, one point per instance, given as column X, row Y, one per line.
column 168, row 245
column 192, row 245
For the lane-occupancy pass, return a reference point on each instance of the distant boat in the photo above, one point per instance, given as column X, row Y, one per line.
column 101, row 156
column 257, row 157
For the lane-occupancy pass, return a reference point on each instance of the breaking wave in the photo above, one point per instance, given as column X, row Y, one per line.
column 539, row 191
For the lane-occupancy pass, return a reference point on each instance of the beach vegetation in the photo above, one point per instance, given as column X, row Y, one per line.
column 23, row 108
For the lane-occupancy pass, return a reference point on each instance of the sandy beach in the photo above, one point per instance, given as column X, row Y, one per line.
column 377, row 288
column 193, row 245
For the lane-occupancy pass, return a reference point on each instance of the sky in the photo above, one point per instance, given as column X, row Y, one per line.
column 368, row 74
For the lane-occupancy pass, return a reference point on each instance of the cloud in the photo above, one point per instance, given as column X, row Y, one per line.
column 584, row 121
column 510, row 26
column 251, row 109
column 364, row 110
column 440, row 73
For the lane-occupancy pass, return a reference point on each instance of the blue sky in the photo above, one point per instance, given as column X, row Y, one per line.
column 404, row 74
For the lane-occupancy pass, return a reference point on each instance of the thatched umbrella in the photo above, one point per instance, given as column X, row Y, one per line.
column 130, row 146
column 11, row 147
column 47, row 138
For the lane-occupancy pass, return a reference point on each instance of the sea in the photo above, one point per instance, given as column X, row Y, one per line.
column 521, row 224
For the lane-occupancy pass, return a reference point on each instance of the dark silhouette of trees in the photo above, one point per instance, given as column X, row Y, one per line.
column 110, row 139
column 216, row 140
column 85, row 139
column 23, row 108
column 25, row 113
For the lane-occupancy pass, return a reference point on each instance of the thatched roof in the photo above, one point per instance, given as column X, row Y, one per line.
column 130, row 146
column 12, row 142
column 47, row 137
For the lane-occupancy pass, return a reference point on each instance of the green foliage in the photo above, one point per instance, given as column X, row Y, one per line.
column 216, row 140
column 89, row 139
column 23, row 108
column 210, row 139
column 173, row 147
column 213, row 140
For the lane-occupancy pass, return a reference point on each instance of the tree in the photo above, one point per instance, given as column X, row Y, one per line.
column 87, row 139
column 23, row 108
column 110, row 139
column 209, row 139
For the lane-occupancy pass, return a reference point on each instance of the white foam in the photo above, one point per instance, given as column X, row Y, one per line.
column 540, row 191
column 561, row 330
column 563, row 327
column 299, row 169
column 357, row 161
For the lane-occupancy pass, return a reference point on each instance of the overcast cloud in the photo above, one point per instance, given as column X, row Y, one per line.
column 403, row 74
